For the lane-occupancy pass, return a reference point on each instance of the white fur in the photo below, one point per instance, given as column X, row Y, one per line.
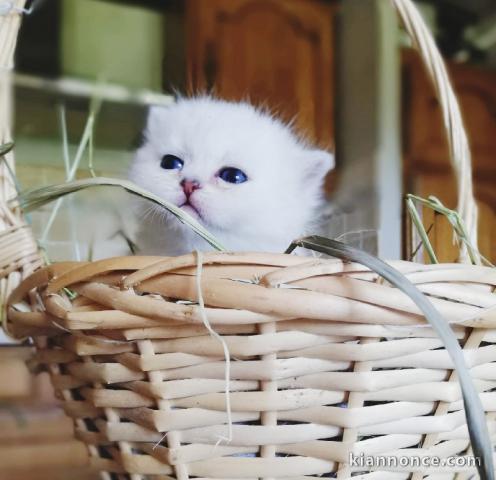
column 277, row 204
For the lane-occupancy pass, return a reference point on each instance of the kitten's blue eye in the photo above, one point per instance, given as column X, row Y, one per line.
column 171, row 162
column 233, row 175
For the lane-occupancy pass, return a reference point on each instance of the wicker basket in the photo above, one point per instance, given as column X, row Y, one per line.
column 253, row 365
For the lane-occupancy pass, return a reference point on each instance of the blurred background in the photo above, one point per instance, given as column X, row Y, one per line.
column 343, row 70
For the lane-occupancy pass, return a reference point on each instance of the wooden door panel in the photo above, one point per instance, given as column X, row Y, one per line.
column 427, row 165
column 475, row 89
column 273, row 52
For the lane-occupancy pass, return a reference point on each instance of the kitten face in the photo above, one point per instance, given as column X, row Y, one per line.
column 232, row 167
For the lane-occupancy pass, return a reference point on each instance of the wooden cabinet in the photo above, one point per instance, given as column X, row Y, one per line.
column 427, row 166
column 277, row 53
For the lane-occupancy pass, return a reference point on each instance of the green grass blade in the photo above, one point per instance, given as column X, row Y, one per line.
column 6, row 148
column 33, row 199
column 424, row 237
column 457, row 224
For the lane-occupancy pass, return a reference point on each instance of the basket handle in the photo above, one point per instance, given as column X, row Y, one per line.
column 13, row 228
column 455, row 131
column 10, row 21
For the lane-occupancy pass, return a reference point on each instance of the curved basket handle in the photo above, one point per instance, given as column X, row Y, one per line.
column 452, row 118
column 18, row 249
column 10, row 21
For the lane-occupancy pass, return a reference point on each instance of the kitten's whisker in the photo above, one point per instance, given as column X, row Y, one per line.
column 147, row 212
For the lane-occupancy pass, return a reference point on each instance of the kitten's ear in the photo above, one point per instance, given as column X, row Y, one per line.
column 318, row 164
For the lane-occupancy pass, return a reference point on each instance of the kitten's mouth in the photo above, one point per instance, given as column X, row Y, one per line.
column 191, row 209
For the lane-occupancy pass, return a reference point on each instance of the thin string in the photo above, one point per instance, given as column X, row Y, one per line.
column 227, row 356
column 162, row 438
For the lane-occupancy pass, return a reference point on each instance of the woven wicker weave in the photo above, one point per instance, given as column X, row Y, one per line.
column 312, row 379
column 326, row 360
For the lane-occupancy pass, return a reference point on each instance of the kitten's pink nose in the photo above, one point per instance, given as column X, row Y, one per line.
column 189, row 186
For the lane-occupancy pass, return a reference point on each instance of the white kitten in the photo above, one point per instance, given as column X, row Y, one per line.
column 240, row 172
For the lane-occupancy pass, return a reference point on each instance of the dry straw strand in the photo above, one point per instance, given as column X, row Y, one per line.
column 459, row 228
